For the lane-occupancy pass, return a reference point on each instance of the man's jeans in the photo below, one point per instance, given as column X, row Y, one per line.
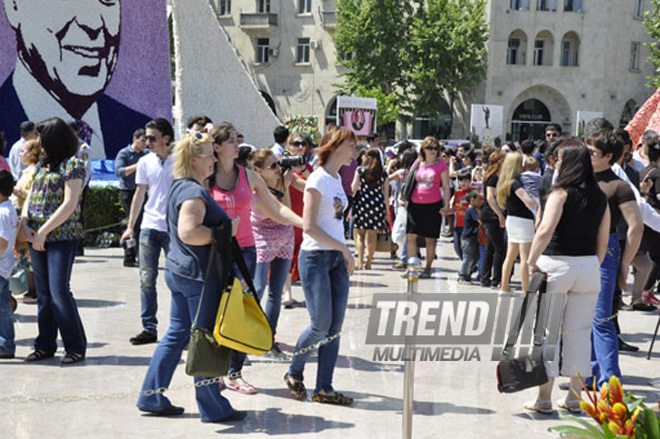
column 605, row 343
column 56, row 307
column 325, row 283
column 7, row 345
column 151, row 243
column 470, row 256
column 186, row 293
column 279, row 270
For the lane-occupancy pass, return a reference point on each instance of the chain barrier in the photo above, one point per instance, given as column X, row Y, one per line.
column 150, row 392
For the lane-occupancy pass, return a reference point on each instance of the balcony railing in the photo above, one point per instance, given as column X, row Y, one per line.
column 258, row 20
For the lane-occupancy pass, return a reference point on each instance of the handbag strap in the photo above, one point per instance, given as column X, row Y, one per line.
column 213, row 258
column 535, row 290
column 242, row 266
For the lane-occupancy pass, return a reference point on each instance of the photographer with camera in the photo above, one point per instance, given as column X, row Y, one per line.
column 300, row 145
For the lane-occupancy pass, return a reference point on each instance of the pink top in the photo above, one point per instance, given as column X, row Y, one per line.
column 238, row 204
column 273, row 240
column 429, row 183
column 3, row 164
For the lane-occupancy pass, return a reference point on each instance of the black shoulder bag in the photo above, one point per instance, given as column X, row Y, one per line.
column 409, row 183
column 515, row 374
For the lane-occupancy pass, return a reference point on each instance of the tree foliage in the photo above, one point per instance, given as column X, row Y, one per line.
column 652, row 23
column 409, row 53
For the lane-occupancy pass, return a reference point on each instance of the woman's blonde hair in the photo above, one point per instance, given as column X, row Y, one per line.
column 511, row 170
column 33, row 148
column 186, row 150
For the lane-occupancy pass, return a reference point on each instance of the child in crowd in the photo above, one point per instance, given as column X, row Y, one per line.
column 8, row 225
column 470, row 237
column 531, row 178
column 459, row 205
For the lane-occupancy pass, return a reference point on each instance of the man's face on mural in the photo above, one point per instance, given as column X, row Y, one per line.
column 69, row 46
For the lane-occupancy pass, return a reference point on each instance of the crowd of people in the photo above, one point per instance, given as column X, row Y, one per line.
column 584, row 211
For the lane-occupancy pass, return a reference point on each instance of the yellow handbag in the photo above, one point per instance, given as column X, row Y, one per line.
column 241, row 323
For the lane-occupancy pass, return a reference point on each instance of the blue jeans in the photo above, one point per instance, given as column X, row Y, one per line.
column 458, row 231
column 56, row 307
column 7, row 345
column 186, row 293
column 151, row 242
column 279, row 270
column 325, row 283
column 250, row 256
column 604, row 340
column 470, row 256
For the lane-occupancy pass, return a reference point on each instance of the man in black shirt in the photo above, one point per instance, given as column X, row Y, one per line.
column 605, row 150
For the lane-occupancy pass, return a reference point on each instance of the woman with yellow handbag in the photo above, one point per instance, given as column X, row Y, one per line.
column 325, row 264
column 191, row 215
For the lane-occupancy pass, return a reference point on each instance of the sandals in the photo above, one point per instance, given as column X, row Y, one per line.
column 245, row 388
column 72, row 358
column 296, row 387
column 39, row 355
column 544, row 407
column 333, row 398
column 573, row 406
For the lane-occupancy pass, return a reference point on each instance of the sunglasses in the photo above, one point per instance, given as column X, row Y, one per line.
column 297, row 143
column 150, row 139
column 432, row 148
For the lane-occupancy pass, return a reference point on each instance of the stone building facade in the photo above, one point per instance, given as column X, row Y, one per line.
column 547, row 60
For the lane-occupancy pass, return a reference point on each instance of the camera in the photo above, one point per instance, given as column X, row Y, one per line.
column 287, row 161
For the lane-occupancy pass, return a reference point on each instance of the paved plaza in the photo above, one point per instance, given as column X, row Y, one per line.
column 452, row 399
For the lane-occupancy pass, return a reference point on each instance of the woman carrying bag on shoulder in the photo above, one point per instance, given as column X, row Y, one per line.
column 191, row 215
column 569, row 246
column 426, row 208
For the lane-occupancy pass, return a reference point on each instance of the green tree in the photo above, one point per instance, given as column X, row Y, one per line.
column 652, row 23
column 371, row 37
column 410, row 53
column 447, row 52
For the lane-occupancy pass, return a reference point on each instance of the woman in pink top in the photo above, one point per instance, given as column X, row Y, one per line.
column 231, row 187
column 425, row 207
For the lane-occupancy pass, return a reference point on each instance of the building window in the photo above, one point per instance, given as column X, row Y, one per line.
column 639, row 8
column 263, row 6
column 262, row 50
column 573, row 6
column 568, row 53
column 519, row 5
column 634, row 55
column 546, row 5
column 302, row 55
column 514, row 53
column 304, row 6
column 539, row 52
column 224, row 7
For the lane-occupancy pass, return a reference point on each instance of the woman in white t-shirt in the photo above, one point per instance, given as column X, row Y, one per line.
column 325, row 263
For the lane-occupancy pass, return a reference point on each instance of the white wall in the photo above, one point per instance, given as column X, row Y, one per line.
column 210, row 78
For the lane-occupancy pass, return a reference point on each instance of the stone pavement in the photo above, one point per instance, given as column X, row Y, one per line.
column 452, row 399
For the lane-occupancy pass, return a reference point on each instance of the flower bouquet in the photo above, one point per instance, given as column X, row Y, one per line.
column 618, row 416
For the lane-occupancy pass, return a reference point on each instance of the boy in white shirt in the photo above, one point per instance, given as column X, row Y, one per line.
column 8, row 225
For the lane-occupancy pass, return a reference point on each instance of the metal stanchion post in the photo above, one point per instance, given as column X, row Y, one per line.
column 414, row 267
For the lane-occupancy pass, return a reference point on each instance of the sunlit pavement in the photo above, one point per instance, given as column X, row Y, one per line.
column 452, row 399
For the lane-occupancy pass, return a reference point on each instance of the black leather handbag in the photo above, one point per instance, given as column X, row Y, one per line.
column 516, row 374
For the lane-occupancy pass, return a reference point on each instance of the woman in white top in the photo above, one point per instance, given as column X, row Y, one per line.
column 325, row 263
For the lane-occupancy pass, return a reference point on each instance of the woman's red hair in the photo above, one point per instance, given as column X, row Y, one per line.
column 341, row 135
